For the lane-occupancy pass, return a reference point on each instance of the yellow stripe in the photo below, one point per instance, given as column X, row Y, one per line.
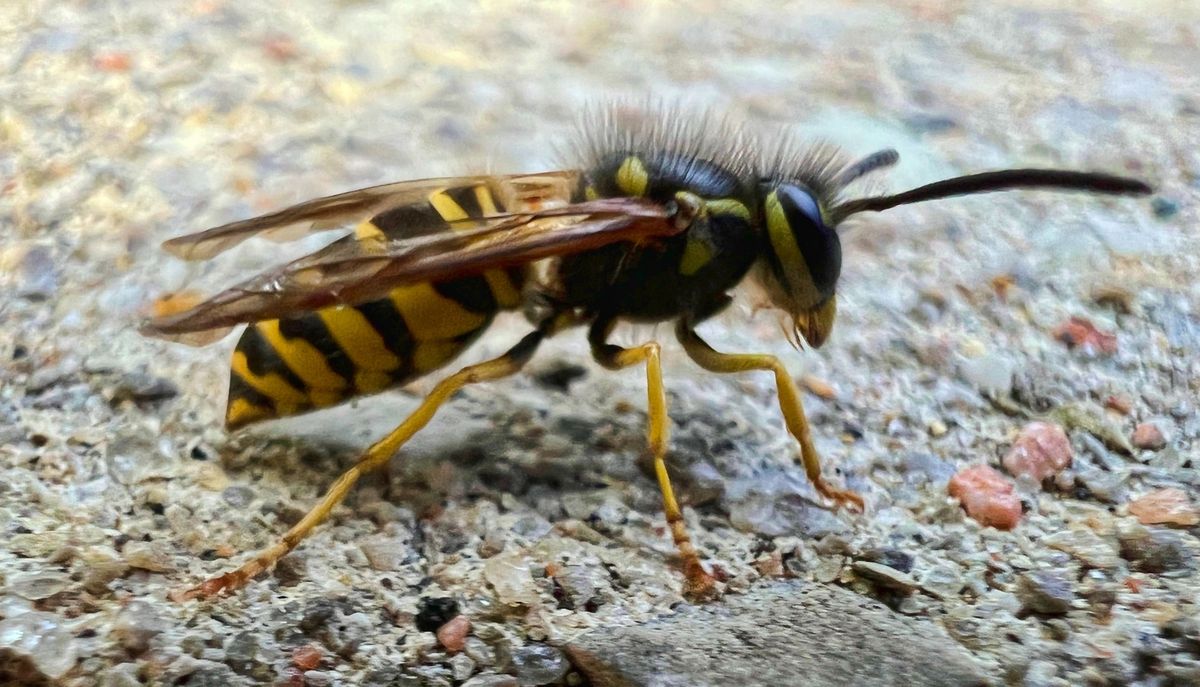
column 431, row 316
column 632, row 177
column 367, row 230
column 270, row 385
column 431, row 355
column 355, row 335
column 242, row 412
column 370, row 381
column 728, row 206
column 446, row 207
column 783, row 241
column 302, row 358
column 503, row 290
column 696, row 254
column 323, row 398
column 590, row 193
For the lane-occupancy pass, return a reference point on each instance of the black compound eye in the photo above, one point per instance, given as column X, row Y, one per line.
column 806, row 252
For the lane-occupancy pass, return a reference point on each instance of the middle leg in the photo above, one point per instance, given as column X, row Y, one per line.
column 699, row 585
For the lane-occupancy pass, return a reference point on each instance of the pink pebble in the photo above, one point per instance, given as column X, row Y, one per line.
column 987, row 496
column 1042, row 450
column 453, row 635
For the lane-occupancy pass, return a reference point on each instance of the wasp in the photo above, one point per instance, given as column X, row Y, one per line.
column 660, row 221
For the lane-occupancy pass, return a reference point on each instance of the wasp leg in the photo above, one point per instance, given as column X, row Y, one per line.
column 789, row 403
column 377, row 456
column 698, row 585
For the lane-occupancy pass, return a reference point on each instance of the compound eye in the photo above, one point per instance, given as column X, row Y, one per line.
column 800, row 208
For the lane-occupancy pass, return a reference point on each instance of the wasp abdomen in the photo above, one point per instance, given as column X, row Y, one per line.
column 291, row 365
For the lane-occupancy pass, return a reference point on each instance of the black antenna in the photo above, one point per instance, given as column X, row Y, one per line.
column 1003, row 180
column 877, row 160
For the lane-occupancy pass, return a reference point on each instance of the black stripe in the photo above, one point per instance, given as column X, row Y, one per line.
column 240, row 388
column 465, row 197
column 262, row 359
column 389, row 324
column 472, row 293
column 418, row 219
column 312, row 329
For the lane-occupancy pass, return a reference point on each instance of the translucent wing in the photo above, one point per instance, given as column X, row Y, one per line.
column 352, row 270
column 321, row 214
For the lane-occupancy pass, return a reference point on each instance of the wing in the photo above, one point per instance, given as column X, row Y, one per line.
column 514, row 191
column 352, row 270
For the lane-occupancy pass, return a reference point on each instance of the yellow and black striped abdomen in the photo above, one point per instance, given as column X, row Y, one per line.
column 318, row 359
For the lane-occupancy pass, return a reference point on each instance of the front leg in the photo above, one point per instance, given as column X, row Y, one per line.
column 789, row 403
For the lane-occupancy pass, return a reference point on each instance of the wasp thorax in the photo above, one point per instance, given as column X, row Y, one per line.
column 802, row 261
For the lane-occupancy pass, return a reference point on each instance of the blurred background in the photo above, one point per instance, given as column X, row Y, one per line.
column 124, row 123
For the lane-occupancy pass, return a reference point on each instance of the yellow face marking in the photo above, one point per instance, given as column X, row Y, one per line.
column 302, row 358
column 355, row 335
column 503, row 290
column 369, row 381
column 446, row 207
column 270, row 385
column 366, row 230
column 696, row 254
column 242, row 412
column 728, row 206
column 430, row 316
column 431, row 355
column 590, row 193
column 798, row 280
column 632, row 177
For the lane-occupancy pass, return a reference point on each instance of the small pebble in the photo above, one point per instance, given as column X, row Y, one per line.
column 1169, row 506
column 1040, row 451
column 1080, row 334
column 1045, row 592
column 1147, row 435
column 37, row 586
column 1155, row 550
column 539, row 664
column 41, row 639
column 306, row 656
column 987, row 497
column 579, row 584
column 461, row 666
column 508, row 573
column 453, row 634
column 886, row 576
column 1164, row 208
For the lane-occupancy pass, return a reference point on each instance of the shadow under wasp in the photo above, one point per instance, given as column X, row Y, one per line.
column 663, row 217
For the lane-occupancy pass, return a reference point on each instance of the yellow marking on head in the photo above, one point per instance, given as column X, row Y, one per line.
column 242, row 412
column 447, row 207
column 302, row 358
column 728, row 206
column 696, row 254
column 430, row 316
column 370, row 381
column 366, row 230
column 590, row 193
column 270, row 385
column 355, row 335
column 797, row 278
column 430, row 355
column 632, row 177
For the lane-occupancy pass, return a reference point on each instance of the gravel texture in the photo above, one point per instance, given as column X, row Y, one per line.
column 525, row 503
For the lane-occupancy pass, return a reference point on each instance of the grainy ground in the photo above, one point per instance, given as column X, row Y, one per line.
column 124, row 123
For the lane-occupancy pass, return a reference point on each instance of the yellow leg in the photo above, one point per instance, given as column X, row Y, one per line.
column 789, row 403
column 698, row 584
column 376, row 457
